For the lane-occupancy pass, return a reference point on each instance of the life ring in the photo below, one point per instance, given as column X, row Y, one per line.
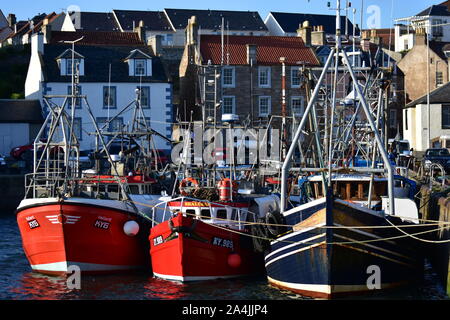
column 184, row 185
column 274, row 223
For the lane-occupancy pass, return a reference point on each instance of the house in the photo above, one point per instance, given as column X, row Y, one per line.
column 287, row 24
column 249, row 73
column 5, row 26
column 20, row 121
column 89, row 21
column 23, row 35
column 154, row 23
column 111, row 67
column 247, row 23
column 418, row 117
column 432, row 19
column 416, row 68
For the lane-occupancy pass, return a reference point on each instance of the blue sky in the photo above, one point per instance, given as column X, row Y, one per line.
column 401, row 8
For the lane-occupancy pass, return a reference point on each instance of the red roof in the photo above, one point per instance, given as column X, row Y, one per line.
column 269, row 50
column 97, row 37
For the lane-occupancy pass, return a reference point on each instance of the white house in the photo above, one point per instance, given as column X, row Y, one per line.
column 108, row 75
column 417, row 118
column 433, row 19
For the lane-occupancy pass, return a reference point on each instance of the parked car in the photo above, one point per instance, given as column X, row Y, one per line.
column 18, row 152
column 437, row 155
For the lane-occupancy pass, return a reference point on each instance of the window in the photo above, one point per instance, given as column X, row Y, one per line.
column 114, row 125
column 437, row 30
column 77, row 100
column 228, row 105
column 439, row 78
column 264, row 77
column 393, row 118
column 77, row 127
column 69, row 66
column 297, row 106
column 140, row 67
column 295, row 77
column 221, row 214
column 145, row 97
column 406, row 44
column 109, row 97
column 446, row 116
column 228, row 77
column 169, row 39
column 406, row 119
column 264, row 106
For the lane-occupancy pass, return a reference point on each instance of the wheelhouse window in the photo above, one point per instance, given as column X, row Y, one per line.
column 109, row 97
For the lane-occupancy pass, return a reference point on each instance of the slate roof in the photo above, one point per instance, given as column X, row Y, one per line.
column 25, row 28
column 438, row 95
column 290, row 22
column 153, row 20
column 97, row 37
column 20, row 111
column 94, row 21
column 435, row 10
column 269, row 50
column 212, row 19
column 96, row 64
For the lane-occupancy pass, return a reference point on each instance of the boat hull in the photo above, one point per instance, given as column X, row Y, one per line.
column 201, row 251
column 58, row 235
column 328, row 262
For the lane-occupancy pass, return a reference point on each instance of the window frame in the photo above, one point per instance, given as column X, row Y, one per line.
column 233, row 99
column 77, row 101
column 269, row 106
column 136, row 67
column 262, row 69
column 297, row 69
column 142, row 89
column 113, row 89
column 302, row 98
column 233, row 77
column 445, row 126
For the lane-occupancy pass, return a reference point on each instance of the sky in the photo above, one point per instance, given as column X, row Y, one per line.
column 377, row 13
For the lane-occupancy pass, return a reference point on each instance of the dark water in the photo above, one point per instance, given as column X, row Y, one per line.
column 17, row 282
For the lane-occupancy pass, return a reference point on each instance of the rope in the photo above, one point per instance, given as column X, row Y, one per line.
column 423, row 240
column 433, row 222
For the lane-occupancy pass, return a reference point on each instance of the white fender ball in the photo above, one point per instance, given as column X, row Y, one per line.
column 131, row 228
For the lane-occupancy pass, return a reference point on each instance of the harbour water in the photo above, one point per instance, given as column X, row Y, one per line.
column 17, row 282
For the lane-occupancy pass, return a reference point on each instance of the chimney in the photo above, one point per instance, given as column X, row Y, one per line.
column 46, row 30
column 304, row 31
column 11, row 20
column 420, row 37
column 318, row 37
column 192, row 31
column 374, row 38
column 252, row 54
column 155, row 42
column 140, row 31
column 37, row 43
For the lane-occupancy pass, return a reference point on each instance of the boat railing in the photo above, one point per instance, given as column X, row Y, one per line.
column 167, row 214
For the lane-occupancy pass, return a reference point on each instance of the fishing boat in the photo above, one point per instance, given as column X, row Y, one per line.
column 349, row 227
column 87, row 218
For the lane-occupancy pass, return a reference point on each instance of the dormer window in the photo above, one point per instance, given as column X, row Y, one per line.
column 140, row 67
column 139, row 64
column 68, row 61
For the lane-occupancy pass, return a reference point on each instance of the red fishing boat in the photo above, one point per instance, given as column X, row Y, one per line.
column 204, row 240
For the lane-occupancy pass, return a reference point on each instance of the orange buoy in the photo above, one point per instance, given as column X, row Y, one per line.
column 184, row 184
column 224, row 187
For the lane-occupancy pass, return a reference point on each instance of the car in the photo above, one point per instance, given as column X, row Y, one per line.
column 440, row 156
column 18, row 152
